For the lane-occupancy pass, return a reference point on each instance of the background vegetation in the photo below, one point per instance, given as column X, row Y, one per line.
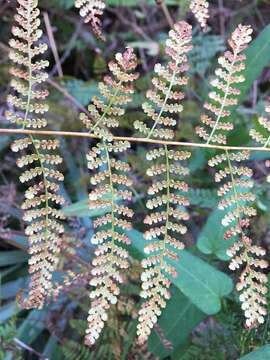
column 203, row 320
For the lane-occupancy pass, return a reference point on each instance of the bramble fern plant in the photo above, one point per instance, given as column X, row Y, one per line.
column 111, row 185
column 166, row 220
column 111, row 192
column 41, row 205
column 235, row 192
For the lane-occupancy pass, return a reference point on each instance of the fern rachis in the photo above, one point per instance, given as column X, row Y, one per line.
column 235, row 192
column 43, row 229
column 110, row 184
column 163, row 102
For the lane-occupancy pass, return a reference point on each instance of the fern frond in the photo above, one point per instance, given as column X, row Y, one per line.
column 166, row 191
column 111, row 189
column 224, row 94
column 116, row 90
column 237, row 199
column 164, row 99
column 236, row 179
column 200, row 9
column 41, row 206
column 91, row 10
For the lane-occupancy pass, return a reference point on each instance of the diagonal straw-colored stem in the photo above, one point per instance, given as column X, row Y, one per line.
column 131, row 139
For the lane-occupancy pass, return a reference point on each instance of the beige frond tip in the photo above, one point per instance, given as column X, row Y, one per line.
column 91, row 11
column 200, row 9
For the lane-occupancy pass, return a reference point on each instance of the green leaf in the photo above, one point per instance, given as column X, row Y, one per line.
column 82, row 91
column 211, row 238
column 11, row 288
column 7, row 311
column 135, row 2
column 262, row 353
column 206, row 198
column 51, row 348
column 12, row 257
column 258, row 57
column 203, row 284
column 179, row 313
column 81, row 209
column 32, row 326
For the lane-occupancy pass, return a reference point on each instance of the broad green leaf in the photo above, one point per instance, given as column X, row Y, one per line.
column 258, row 57
column 203, row 284
column 176, row 322
column 262, row 353
column 7, row 311
column 211, row 238
column 12, row 257
column 82, row 91
column 81, row 209
column 11, row 288
column 203, row 197
column 135, row 2
column 51, row 348
column 32, row 326
column 66, row 4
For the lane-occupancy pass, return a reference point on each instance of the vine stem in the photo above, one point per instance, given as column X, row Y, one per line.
column 130, row 139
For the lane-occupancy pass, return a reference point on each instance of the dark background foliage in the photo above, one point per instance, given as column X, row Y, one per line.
column 203, row 319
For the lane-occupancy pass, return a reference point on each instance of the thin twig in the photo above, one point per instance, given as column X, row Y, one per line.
column 53, row 43
column 131, row 139
column 166, row 12
column 68, row 96
column 28, row 348
column 71, row 44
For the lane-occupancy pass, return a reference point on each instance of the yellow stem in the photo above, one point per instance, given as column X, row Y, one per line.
column 131, row 139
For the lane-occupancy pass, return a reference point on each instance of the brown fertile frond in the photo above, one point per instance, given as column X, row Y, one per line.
column 168, row 202
column 167, row 199
column 164, row 99
column 237, row 197
column 224, row 95
column 236, row 178
column 41, row 205
column 116, row 91
column 91, row 11
column 111, row 190
column 200, row 9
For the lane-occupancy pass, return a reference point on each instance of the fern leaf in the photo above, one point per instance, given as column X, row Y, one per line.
column 41, row 206
column 163, row 104
column 91, row 10
column 111, row 183
column 237, row 198
column 200, row 9
column 236, row 181
column 166, row 221
column 224, row 94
